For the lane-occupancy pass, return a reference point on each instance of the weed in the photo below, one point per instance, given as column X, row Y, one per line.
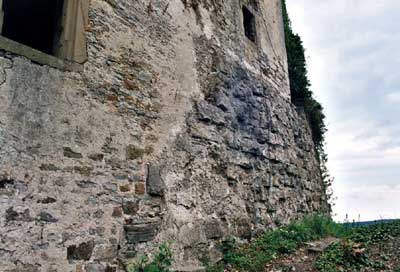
column 352, row 253
column 272, row 244
column 161, row 263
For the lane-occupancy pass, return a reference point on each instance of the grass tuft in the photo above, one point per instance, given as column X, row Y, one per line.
column 352, row 253
column 272, row 244
column 161, row 262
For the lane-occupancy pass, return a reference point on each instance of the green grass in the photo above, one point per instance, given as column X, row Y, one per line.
column 272, row 244
column 346, row 255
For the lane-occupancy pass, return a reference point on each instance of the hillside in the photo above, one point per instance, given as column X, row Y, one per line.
column 368, row 248
column 318, row 244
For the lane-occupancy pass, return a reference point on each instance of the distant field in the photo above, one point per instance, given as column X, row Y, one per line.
column 368, row 223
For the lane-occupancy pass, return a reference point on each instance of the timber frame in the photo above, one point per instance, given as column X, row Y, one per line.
column 70, row 44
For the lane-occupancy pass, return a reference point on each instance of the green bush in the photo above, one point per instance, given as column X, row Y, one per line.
column 161, row 263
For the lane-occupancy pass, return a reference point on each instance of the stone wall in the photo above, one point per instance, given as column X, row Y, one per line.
column 177, row 129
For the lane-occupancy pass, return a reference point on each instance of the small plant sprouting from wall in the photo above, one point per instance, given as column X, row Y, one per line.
column 161, row 262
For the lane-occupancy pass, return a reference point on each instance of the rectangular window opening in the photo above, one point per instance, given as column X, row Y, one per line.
column 54, row 27
column 249, row 23
column 33, row 23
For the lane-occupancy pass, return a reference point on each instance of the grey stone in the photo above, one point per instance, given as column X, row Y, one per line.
column 95, row 267
column 213, row 230
column 96, row 156
column 130, row 207
column 140, row 233
column 46, row 217
column 69, row 153
column 47, row 200
column 209, row 113
column 12, row 215
column 82, row 251
column 155, row 185
column 145, row 76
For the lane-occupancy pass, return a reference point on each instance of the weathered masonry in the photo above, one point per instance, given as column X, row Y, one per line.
column 124, row 124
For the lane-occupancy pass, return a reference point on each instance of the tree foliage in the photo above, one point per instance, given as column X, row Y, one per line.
column 302, row 97
column 300, row 90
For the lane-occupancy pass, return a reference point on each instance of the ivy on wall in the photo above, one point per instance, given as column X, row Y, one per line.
column 302, row 97
column 301, row 94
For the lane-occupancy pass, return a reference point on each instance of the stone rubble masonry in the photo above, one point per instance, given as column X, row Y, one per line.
column 177, row 129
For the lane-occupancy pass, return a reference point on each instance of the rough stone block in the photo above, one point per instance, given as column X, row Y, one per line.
column 155, row 184
column 213, row 230
column 130, row 207
column 69, row 153
column 46, row 217
column 82, row 251
column 140, row 233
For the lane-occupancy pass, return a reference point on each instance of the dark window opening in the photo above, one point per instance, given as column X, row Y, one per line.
column 35, row 23
column 249, row 23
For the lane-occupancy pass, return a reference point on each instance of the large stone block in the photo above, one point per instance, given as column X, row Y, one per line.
column 155, row 185
column 140, row 233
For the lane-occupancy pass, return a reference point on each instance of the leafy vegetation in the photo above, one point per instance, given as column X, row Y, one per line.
column 346, row 255
column 303, row 97
column 359, row 247
column 371, row 247
column 272, row 244
column 161, row 262
column 353, row 253
column 301, row 94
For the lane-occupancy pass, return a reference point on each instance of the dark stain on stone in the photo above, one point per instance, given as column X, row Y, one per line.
column 83, row 170
column 47, row 200
column 213, row 230
column 47, row 218
column 82, row 251
column 134, row 153
column 85, row 184
column 96, row 156
column 12, row 215
column 48, row 167
column 140, row 233
column 69, row 153
column 130, row 207
column 117, row 212
column 110, row 269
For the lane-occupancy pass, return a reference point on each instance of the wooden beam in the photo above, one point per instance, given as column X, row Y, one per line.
column 72, row 43
column 1, row 16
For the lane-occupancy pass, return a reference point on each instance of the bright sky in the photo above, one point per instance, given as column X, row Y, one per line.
column 352, row 49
